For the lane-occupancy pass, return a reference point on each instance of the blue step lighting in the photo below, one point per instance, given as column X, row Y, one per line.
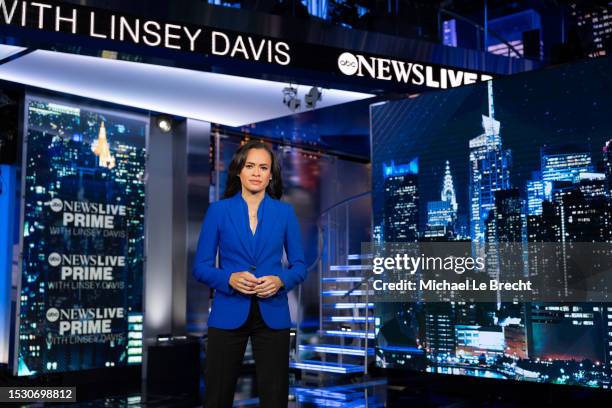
column 353, row 257
column 343, row 279
column 349, row 319
column 348, row 333
column 342, row 305
column 314, row 365
column 336, row 349
column 357, row 292
column 350, row 267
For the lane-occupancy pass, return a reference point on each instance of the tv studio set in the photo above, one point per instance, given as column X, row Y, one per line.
column 306, row 203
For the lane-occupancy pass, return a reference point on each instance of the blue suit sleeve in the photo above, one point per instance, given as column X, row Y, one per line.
column 296, row 272
column 204, row 269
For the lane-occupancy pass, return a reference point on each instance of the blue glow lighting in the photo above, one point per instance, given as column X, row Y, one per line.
column 511, row 28
column 335, row 389
column 346, row 395
column 320, row 402
column 316, row 392
column 352, row 305
column 317, row 8
column 353, row 257
column 351, row 334
column 402, row 349
column 334, row 349
column 449, row 33
column 7, row 211
column 313, row 365
column 401, row 169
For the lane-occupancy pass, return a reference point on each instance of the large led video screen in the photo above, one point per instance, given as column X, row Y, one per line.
column 80, row 299
column 525, row 159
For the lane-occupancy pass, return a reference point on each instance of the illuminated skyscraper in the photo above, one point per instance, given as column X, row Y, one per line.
column 594, row 23
column 543, row 227
column 506, row 226
column 564, row 163
column 442, row 215
column 582, row 210
column 489, row 170
column 535, row 194
column 401, row 217
column 377, row 234
column 101, row 149
column 509, row 215
column 440, row 220
column 448, row 189
column 440, row 328
column 581, row 214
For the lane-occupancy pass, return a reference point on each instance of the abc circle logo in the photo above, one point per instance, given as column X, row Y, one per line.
column 56, row 205
column 54, row 259
column 348, row 64
column 53, row 314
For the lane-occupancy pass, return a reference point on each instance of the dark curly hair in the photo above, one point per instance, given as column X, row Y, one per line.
column 274, row 189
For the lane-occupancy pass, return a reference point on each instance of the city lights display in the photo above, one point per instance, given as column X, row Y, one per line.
column 526, row 159
column 80, row 301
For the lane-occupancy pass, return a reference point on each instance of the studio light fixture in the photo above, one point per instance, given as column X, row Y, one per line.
column 290, row 98
column 312, row 97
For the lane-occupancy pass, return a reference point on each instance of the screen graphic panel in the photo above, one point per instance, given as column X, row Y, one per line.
column 83, row 238
column 525, row 160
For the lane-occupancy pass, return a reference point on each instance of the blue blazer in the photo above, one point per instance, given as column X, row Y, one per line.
column 226, row 229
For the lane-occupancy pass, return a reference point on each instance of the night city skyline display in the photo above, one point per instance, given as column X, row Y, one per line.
column 525, row 160
column 83, row 238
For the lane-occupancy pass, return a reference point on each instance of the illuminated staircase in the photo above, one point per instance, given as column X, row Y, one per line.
column 346, row 324
column 344, row 340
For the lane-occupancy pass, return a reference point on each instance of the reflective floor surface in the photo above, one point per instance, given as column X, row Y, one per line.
column 368, row 394
column 356, row 392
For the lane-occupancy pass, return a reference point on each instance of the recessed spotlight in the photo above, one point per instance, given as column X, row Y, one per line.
column 164, row 123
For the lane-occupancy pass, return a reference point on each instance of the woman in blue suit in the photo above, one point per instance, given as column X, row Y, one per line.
column 249, row 229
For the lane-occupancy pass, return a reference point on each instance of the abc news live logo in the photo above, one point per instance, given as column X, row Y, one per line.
column 53, row 315
column 406, row 72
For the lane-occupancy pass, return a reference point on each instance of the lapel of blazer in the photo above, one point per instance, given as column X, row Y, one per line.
column 237, row 216
column 269, row 221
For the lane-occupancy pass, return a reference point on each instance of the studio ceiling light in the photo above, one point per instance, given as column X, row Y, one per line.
column 290, row 98
column 211, row 97
column 164, row 123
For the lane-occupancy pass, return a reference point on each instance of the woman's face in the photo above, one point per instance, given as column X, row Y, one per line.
column 257, row 171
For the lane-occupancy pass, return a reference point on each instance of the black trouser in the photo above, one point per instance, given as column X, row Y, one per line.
column 224, row 355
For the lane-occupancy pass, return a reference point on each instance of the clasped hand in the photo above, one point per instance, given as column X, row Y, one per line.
column 247, row 283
